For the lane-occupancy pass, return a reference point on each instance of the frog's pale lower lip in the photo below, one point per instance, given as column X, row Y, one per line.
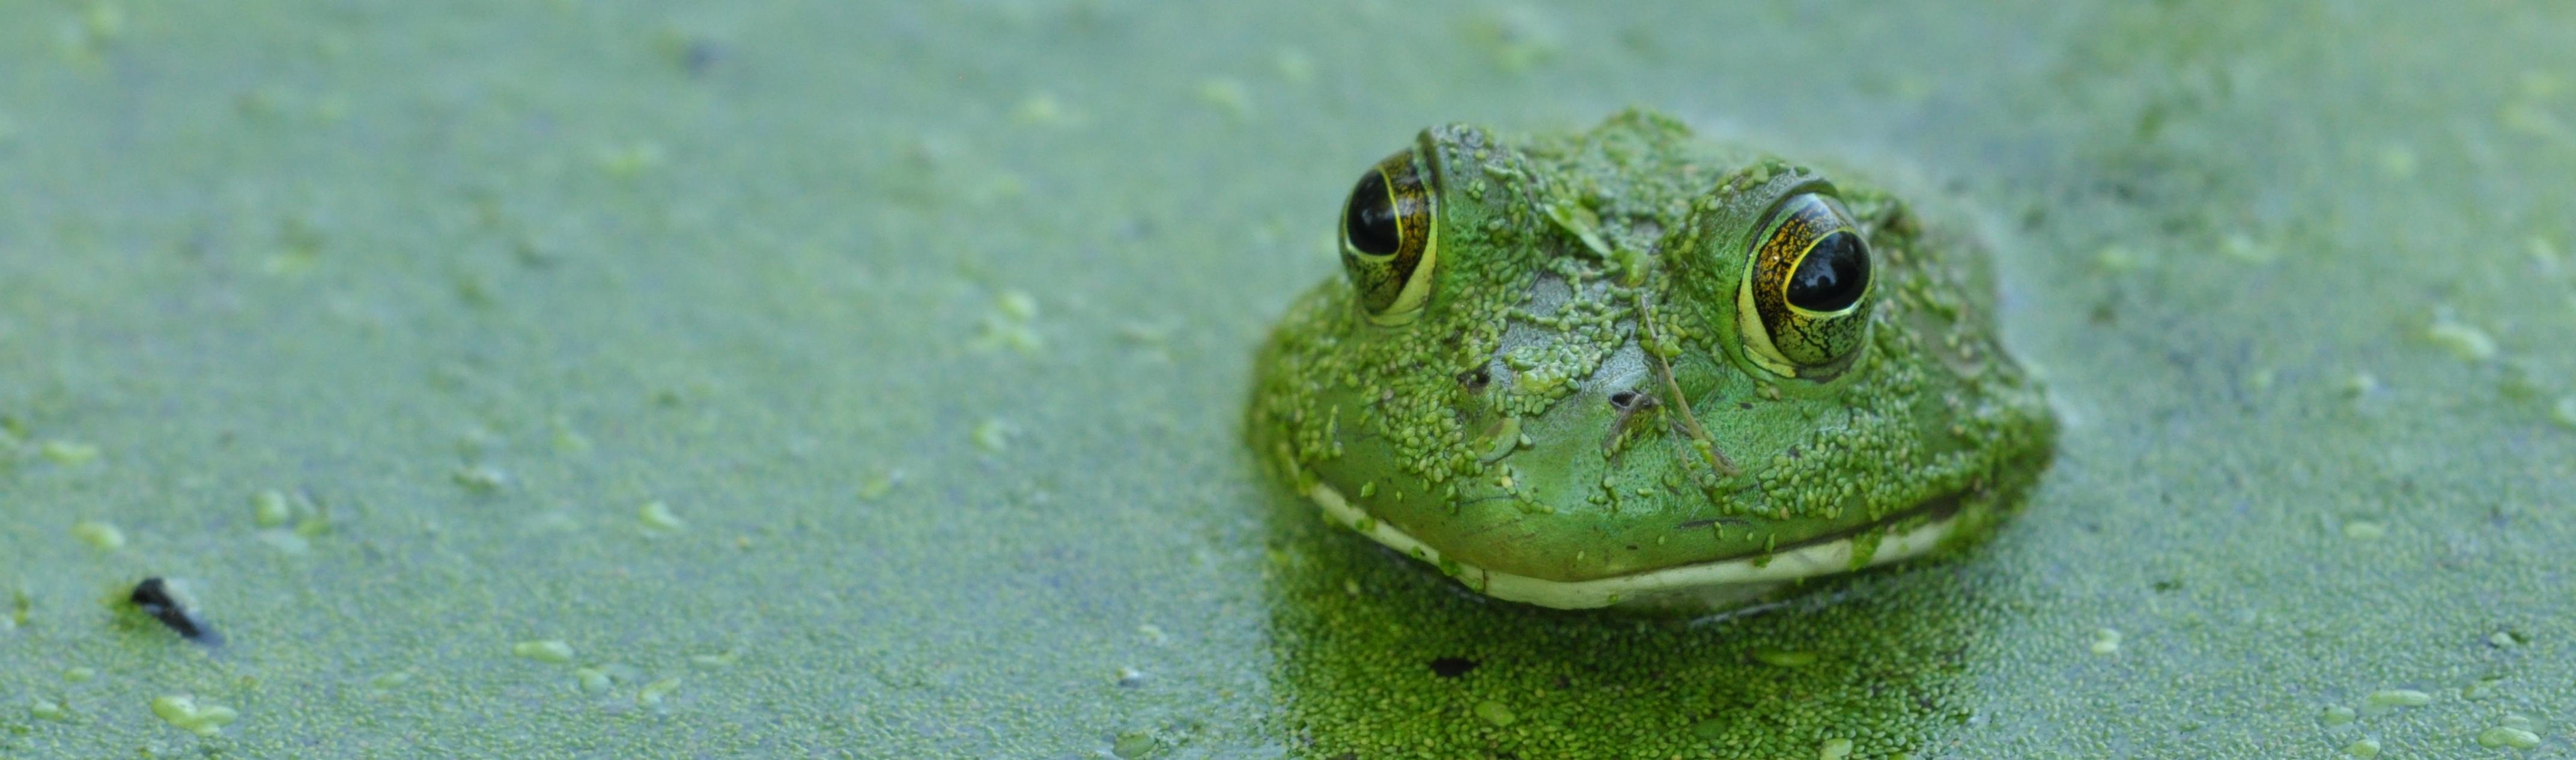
column 1714, row 584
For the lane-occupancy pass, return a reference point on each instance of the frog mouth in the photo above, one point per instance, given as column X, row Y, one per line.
column 1711, row 584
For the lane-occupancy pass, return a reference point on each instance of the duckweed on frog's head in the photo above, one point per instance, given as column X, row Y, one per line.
column 1631, row 367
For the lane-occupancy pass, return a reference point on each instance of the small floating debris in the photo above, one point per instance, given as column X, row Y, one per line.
column 1041, row 109
column 2116, row 259
column 2106, row 641
column 184, row 712
column 993, row 435
column 1452, row 667
column 2243, row 247
column 544, row 650
column 652, row 693
column 271, row 508
column 627, row 160
column 68, row 453
column 103, row 535
column 391, row 680
column 593, row 680
column 1017, row 304
column 568, row 439
column 481, row 478
column 2507, row 736
column 1134, row 744
column 1010, row 324
column 658, row 517
column 153, row 596
column 2337, row 715
column 2466, row 340
column 1783, row 658
column 876, row 486
column 2400, row 698
column 1227, row 96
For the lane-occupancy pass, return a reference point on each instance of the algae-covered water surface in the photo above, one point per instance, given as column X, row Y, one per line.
column 586, row 379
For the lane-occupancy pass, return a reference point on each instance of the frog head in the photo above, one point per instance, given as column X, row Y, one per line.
column 1629, row 367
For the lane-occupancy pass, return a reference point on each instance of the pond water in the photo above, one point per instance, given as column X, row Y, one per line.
column 586, row 379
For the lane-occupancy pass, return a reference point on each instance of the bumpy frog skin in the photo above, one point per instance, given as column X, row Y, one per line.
column 1632, row 368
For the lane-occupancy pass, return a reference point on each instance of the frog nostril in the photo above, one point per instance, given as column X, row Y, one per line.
column 1627, row 400
column 1475, row 380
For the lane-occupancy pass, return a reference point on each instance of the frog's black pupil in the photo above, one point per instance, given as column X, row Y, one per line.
column 1833, row 275
column 1369, row 222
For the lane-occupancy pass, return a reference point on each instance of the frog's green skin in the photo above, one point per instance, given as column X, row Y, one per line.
column 1477, row 431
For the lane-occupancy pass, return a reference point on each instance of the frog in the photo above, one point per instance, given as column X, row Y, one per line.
column 1627, row 366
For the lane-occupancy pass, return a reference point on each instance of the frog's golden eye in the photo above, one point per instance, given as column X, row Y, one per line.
column 1804, row 306
column 1389, row 240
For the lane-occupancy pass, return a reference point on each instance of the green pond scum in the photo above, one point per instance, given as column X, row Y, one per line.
column 932, row 328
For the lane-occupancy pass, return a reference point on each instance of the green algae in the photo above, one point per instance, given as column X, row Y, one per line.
column 1867, row 668
column 304, row 247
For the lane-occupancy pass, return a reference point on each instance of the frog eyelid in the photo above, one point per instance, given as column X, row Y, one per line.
column 1780, row 202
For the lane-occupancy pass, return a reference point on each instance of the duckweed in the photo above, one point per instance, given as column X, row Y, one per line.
column 657, row 516
column 2105, row 641
column 68, row 453
column 104, row 536
column 270, row 510
column 2506, row 736
column 544, row 650
column 653, row 693
column 184, row 712
column 2400, row 698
